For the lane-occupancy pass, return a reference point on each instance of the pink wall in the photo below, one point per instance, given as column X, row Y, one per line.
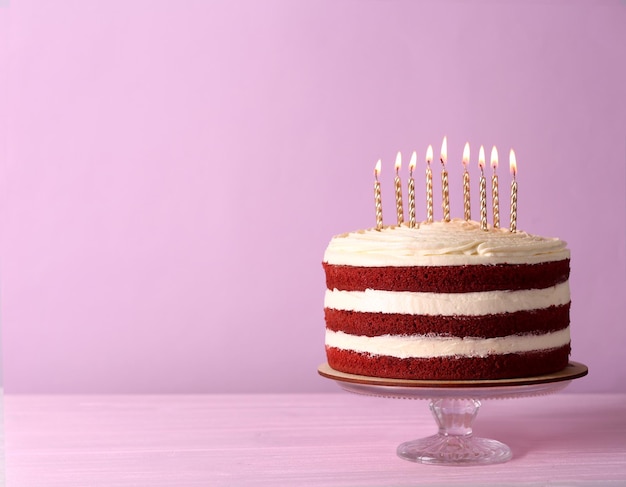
column 174, row 170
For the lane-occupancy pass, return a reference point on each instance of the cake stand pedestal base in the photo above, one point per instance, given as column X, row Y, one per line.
column 454, row 405
column 455, row 443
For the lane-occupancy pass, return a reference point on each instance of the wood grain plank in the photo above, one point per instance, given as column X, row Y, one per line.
column 299, row 439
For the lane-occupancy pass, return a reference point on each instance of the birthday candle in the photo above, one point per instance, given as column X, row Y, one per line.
column 494, row 188
column 429, row 185
column 483, row 189
column 412, row 165
column 445, row 191
column 377, row 198
column 513, row 167
column 467, row 214
column 398, row 186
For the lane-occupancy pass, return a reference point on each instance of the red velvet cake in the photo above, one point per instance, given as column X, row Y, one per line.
column 446, row 301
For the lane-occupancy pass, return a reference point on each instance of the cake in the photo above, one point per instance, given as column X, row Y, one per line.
column 446, row 301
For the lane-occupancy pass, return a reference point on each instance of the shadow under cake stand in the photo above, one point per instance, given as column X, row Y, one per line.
column 455, row 404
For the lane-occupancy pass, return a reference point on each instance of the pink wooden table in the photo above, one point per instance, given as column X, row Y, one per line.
column 335, row 439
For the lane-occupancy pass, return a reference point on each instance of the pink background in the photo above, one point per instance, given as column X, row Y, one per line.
column 171, row 172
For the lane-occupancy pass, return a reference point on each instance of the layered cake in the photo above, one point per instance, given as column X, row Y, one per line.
column 446, row 301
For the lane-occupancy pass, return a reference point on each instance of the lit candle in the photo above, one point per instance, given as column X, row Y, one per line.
column 412, row 165
column 398, row 185
column 466, row 184
column 483, row 189
column 445, row 191
column 429, row 185
column 494, row 188
column 377, row 198
column 513, row 166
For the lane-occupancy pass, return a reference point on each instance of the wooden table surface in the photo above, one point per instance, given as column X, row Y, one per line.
column 336, row 439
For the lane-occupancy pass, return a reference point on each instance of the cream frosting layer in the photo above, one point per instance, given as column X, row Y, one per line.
column 420, row 346
column 457, row 242
column 447, row 304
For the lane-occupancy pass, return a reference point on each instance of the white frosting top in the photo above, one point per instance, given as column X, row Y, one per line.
column 457, row 242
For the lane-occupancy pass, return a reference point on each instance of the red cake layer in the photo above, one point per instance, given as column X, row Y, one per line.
column 447, row 279
column 450, row 368
column 375, row 324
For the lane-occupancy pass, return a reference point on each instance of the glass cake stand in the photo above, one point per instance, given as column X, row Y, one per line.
column 454, row 405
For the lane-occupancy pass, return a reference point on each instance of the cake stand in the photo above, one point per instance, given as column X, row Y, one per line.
column 454, row 405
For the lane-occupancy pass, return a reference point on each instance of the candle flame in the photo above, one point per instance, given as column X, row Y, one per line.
column 513, row 163
column 398, row 161
column 494, row 157
column 481, row 158
column 429, row 154
column 466, row 155
column 444, row 150
column 377, row 169
column 413, row 162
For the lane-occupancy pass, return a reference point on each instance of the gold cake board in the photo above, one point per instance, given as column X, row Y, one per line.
column 573, row 370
